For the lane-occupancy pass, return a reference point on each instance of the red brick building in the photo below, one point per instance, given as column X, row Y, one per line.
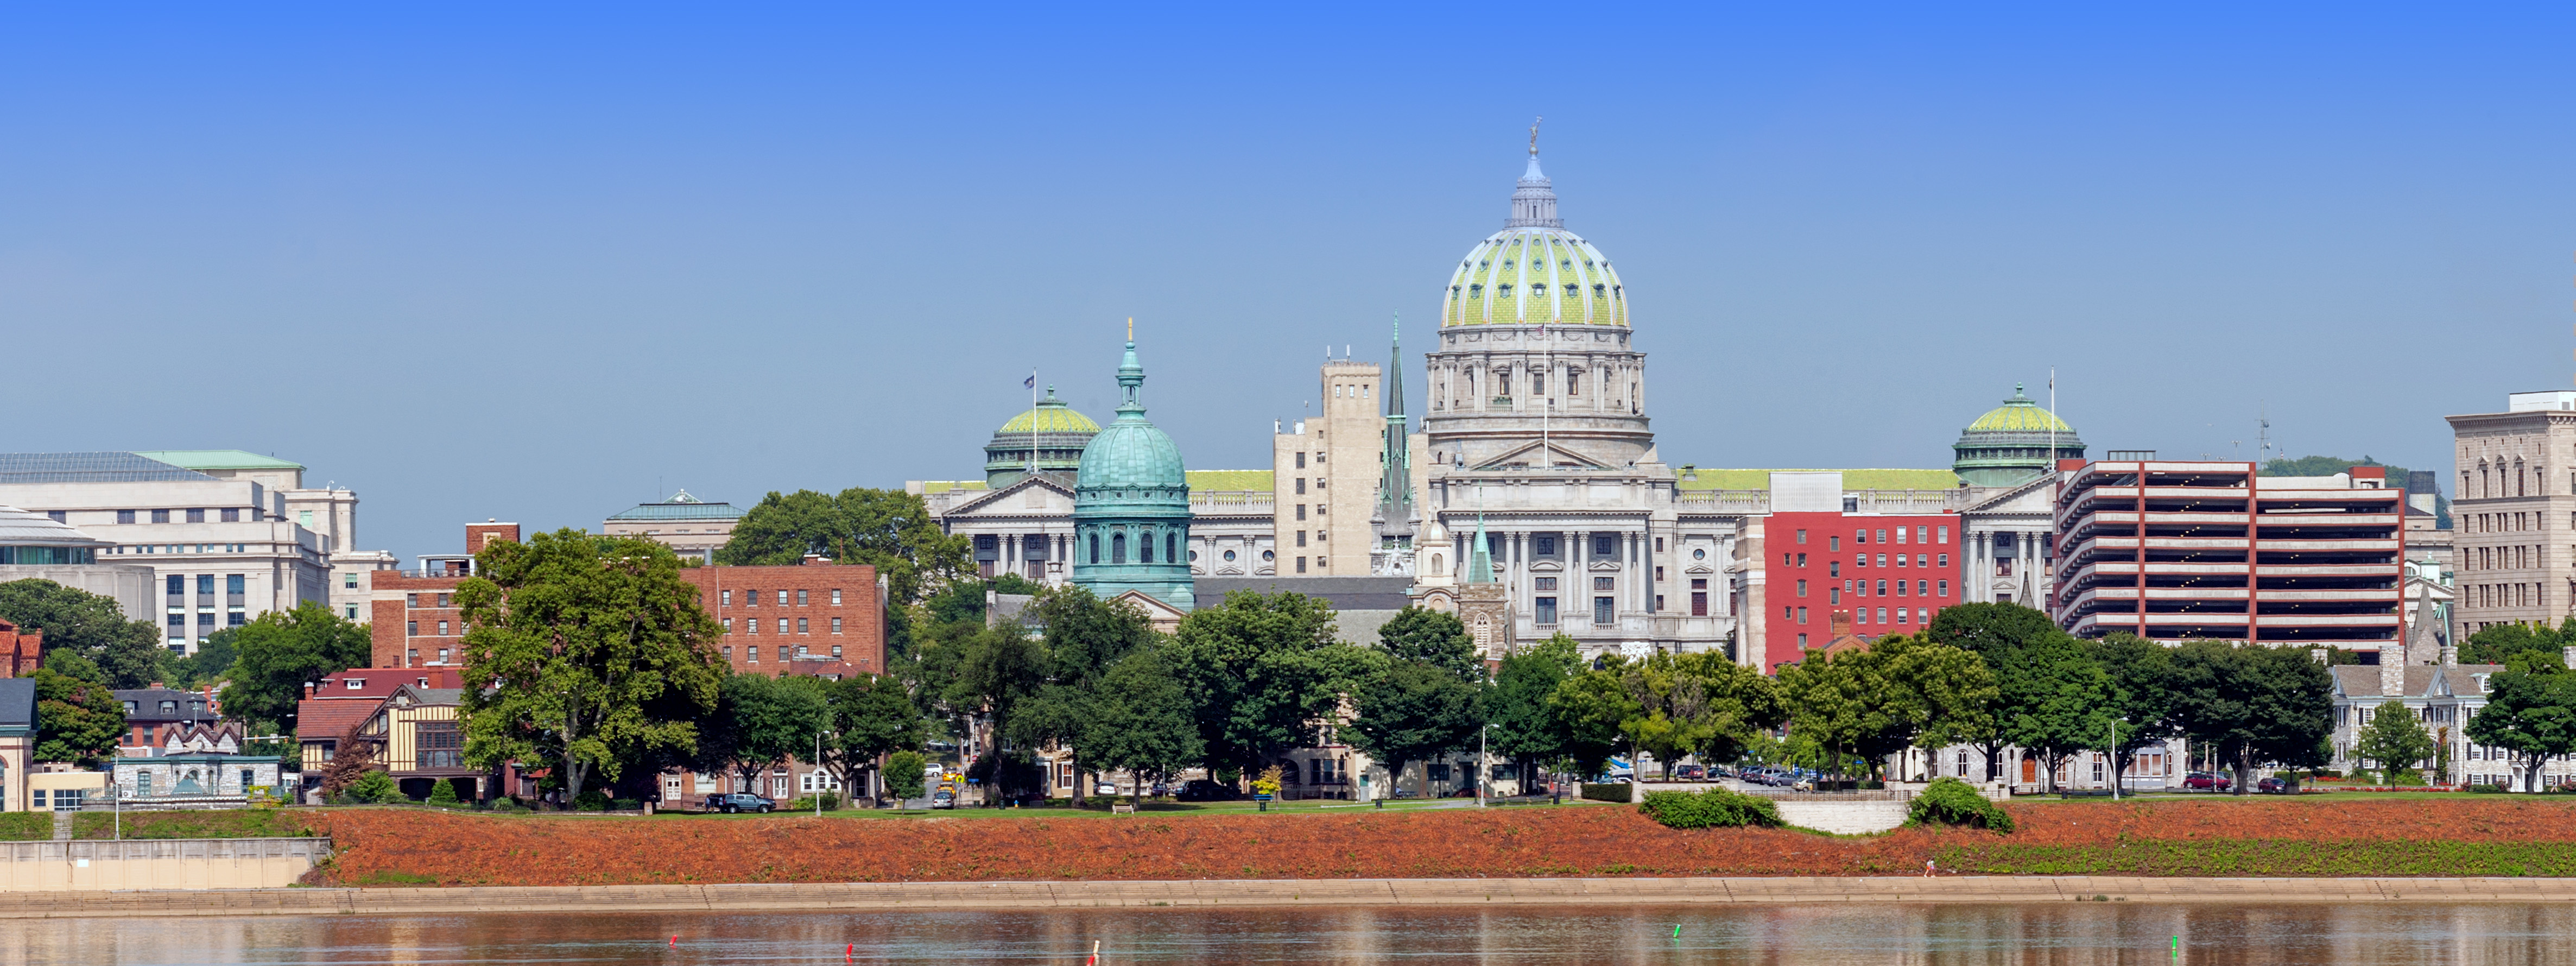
column 21, row 652
column 817, row 618
column 412, row 614
column 1887, row 574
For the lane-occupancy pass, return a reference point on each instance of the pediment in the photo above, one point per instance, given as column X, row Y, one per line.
column 1605, row 565
column 1545, row 566
column 1699, row 568
column 1039, row 494
column 1528, row 454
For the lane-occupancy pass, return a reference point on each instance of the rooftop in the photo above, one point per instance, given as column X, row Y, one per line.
column 681, row 506
column 93, row 467
column 1878, row 479
column 217, row 459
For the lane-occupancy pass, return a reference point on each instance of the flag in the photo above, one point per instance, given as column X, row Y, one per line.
column 1031, row 382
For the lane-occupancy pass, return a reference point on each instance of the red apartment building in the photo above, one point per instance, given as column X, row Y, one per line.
column 412, row 613
column 1887, row 574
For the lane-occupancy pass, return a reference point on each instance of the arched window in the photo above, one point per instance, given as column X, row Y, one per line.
column 1118, row 548
column 1145, row 548
column 1095, row 548
column 1437, row 569
column 1172, row 546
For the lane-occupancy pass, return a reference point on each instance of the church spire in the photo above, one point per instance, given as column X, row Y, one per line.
column 1395, row 480
column 1534, row 199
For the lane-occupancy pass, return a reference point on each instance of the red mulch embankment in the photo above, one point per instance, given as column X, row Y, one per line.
column 424, row 847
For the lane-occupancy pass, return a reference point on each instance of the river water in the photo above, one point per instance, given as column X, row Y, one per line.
column 2068, row 934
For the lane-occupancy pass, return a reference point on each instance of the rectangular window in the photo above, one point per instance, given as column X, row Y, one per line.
column 728, row 625
column 352, row 612
column 782, row 626
column 1882, row 588
column 1659, row 541
column 1943, row 560
column 1544, row 583
column 1699, row 603
column 1941, row 534
column 234, row 584
column 751, row 655
column 442, row 628
column 1604, row 610
column 1605, row 546
column 197, row 515
column 1900, row 534
column 1301, row 486
column 751, row 626
column 751, row 598
column 782, row 598
column 1802, row 615
column 836, row 597
column 443, row 600
column 205, row 585
column 800, row 625
column 836, row 625
column 1802, row 536
column 349, row 581
column 124, row 516
column 724, row 598
column 1882, row 535
column 1659, row 603
column 1301, row 511
column 1543, row 545
column 232, row 514
column 1945, row 588
column 1833, row 595
column 160, row 516
column 236, row 617
column 1802, row 588
column 1301, row 460
column 1900, row 588
column 410, row 628
column 800, row 598
column 411, row 600
column 1882, row 615
column 1546, row 607
column 1301, row 538
column 1659, row 575
column 1301, row 565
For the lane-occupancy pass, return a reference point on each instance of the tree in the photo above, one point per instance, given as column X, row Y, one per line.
column 280, row 653
column 2530, row 711
column 1522, row 729
column 872, row 717
column 354, row 756
column 2495, row 643
column 597, row 651
column 1412, row 710
column 1139, row 720
column 1698, row 704
column 903, row 775
column 2057, row 700
column 1998, row 634
column 1590, row 709
column 2141, row 673
column 2396, row 741
column 759, row 723
column 93, row 626
column 1264, row 672
column 890, row 530
column 1081, row 637
column 1874, row 702
column 1415, row 634
column 2253, row 704
column 78, row 720
column 214, row 659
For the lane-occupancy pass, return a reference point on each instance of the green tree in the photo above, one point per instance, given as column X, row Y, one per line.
column 890, row 530
column 213, row 660
column 1139, row 720
column 1698, row 704
column 1412, row 710
column 2495, row 643
column 2253, row 704
column 597, row 650
column 1591, row 709
column 1415, row 634
column 279, row 653
column 1871, row 703
column 1081, row 637
column 2141, row 673
column 903, row 775
column 2396, row 741
column 2058, row 702
column 129, row 652
column 2004, row 636
column 872, row 717
column 1523, row 730
column 78, row 720
column 1265, row 673
column 760, row 722
column 2530, row 711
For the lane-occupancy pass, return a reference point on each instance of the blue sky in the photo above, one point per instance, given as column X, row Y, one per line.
column 501, row 263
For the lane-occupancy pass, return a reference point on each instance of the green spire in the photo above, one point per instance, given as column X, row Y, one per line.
column 1480, row 560
column 1395, row 479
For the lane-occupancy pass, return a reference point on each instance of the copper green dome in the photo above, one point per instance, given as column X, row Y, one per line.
column 1131, row 505
column 1052, row 430
column 2013, row 444
column 1534, row 271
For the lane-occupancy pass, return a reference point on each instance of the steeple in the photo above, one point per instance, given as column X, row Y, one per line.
column 1480, row 559
column 1395, row 481
column 1534, row 199
column 1131, row 377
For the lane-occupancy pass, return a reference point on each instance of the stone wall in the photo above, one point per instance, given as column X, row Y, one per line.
column 158, row 864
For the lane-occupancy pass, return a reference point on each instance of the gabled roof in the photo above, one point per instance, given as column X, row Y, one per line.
column 17, row 703
column 334, row 707
column 2422, row 680
column 91, row 467
column 217, row 459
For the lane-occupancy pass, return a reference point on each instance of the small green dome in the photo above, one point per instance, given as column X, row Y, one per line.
column 2019, row 414
column 1047, row 439
column 1052, row 415
column 1131, row 505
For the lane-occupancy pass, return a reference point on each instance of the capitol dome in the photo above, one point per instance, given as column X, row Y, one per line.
column 1534, row 271
column 2013, row 444
column 1052, row 429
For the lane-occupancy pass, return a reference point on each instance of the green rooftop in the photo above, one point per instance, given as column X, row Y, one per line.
column 1210, row 481
column 1852, row 479
column 217, row 459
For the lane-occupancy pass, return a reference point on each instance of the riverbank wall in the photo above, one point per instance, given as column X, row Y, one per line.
column 158, row 864
column 881, row 896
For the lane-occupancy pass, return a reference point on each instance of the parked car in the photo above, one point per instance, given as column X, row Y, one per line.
column 1207, row 790
column 1105, row 788
column 943, row 799
column 2204, row 781
column 738, row 802
column 2272, row 785
column 1161, row 789
column 1690, row 773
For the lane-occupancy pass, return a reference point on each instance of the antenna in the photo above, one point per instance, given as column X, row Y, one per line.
column 2263, row 434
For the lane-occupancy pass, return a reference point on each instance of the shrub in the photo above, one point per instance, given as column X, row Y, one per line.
column 1714, row 808
column 1612, row 792
column 2486, row 789
column 507, row 804
column 591, row 801
column 373, row 788
column 1949, row 801
column 831, row 802
column 442, row 793
column 627, row 805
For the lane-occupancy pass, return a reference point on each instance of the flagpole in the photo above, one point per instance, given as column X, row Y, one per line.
column 1033, row 422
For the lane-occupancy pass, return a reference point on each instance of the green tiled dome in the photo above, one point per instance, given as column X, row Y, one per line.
column 2020, row 414
column 1050, row 416
column 1131, row 505
column 1534, row 271
column 1133, row 456
column 1048, row 439
column 2013, row 444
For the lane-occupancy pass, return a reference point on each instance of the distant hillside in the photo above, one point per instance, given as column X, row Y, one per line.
column 2331, row 465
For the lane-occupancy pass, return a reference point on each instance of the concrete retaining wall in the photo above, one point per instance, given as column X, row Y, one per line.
column 1846, row 818
column 157, row 864
column 877, row 896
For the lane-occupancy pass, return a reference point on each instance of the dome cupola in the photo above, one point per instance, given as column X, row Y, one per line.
column 2013, row 444
column 1131, row 504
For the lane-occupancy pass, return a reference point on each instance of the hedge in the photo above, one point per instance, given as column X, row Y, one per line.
column 1714, row 808
column 1612, row 792
column 1949, row 801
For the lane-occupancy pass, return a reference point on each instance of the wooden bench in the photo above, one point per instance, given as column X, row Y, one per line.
column 1122, row 808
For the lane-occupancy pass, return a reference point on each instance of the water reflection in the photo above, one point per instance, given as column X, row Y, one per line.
column 2071, row 934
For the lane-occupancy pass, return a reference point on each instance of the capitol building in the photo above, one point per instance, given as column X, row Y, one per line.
column 1531, row 498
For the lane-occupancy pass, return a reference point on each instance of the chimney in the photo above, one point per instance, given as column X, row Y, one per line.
column 1838, row 625
column 2392, row 668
